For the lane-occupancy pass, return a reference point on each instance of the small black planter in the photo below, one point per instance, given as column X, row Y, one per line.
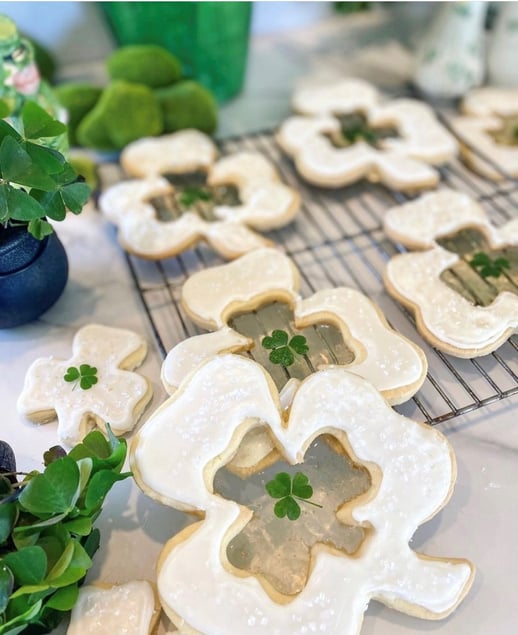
column 33, row 274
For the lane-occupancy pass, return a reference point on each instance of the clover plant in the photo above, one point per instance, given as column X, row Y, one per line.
column 47, row 537
column 36, row 181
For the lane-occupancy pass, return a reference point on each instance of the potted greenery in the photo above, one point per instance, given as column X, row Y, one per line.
column 37, row 183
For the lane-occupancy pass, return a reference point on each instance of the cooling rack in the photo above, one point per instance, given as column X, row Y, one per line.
column 337, row 239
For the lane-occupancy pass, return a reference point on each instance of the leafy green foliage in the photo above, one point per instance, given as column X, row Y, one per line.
column 289, row 491
column 192, row 195
column 36, row 181
column 85, row 376
column 487, row 267
column 47, row 538
column 282, row 348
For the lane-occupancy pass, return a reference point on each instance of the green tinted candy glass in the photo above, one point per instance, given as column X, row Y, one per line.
column 209, row 38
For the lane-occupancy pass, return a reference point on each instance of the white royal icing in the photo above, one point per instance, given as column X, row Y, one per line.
column 483, row 108
column 176, row 153
column 118, row 397
column 444, row 315
column 125, row 609
column 266, row 203
column 401, row 163
column 207, row 294
column 382, row 356
column 198, row 427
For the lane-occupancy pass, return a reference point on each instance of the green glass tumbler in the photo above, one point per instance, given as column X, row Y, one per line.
column 209, row 38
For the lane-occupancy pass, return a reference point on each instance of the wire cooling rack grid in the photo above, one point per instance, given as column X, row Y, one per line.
column 337, row 239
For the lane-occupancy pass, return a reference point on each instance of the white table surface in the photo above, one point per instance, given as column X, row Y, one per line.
column 480, row 522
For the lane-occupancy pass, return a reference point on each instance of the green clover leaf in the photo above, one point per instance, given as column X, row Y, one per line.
column 85, row 376
column 193, row 194
column 289, row 491
column 282, row 347
column 487, row 267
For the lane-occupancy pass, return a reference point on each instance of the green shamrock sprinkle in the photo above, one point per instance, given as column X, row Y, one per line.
column 282, row 348
column 85, row 376
column 289, row 491
column 487, row 267
column 193, row 194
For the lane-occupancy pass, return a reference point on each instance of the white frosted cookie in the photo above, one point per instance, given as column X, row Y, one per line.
column 395, row 365
column 487, row 112
column 444, row 317
column 403, row 162
column 125, row 609
column 177, row 452
column 231, row 229
column 93, row 387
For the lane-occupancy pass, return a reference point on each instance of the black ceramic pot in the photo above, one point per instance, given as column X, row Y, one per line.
column 33, row 274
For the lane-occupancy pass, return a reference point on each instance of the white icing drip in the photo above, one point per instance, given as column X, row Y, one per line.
column 116, row 398
column 190, row 353
column 267, row 204
column 126, row 609
column 261, row 273
column 419, row 223
column 417, row 471
column 383, row 356
column 477, row 132
column 400, row 163
column 346, row 96
column 445, row 313
column 490, row 100
column 180, row 152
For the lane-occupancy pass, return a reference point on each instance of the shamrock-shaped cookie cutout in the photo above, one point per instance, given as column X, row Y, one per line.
column 462, row 284
column 221, row 201
column 344, row 132
column 94, row 387
column 252, row 304
column 179, row 450
column 489, row 128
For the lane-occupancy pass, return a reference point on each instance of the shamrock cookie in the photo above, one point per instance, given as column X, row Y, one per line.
column 220, row 201
column 129, row 608
column 463, row 286
column 252, row 304
column 345, row 133
column 490, row 129
column 93, row 387
column 178, row 451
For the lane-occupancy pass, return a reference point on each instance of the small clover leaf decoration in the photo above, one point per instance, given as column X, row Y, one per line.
column 487, row 267
column 85, row 376
column 282, row 348
column 192, row 195
column 289, row 491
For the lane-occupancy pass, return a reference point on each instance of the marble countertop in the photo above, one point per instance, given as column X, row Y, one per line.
column 480, row 521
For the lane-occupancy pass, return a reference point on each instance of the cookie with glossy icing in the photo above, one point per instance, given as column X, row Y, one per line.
column 489, row 128
column 177, row 452
column 224, row 202
column 117, row 396
column 457, row 308
column 345, row 132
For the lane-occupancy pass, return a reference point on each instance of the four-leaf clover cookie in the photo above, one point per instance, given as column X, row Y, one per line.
column 489, row 127
column 344, row 132
column 178, row 450
column 267, row 280
column 224, row 202
column 93, row 387
column 474, row 309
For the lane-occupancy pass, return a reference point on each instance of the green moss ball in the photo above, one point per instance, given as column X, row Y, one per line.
column 145, row 64
column 78, row 99
column 188, row 104
column 125, row 112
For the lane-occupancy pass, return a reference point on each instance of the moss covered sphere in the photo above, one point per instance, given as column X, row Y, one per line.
column 145, row 64
column 188, row 104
